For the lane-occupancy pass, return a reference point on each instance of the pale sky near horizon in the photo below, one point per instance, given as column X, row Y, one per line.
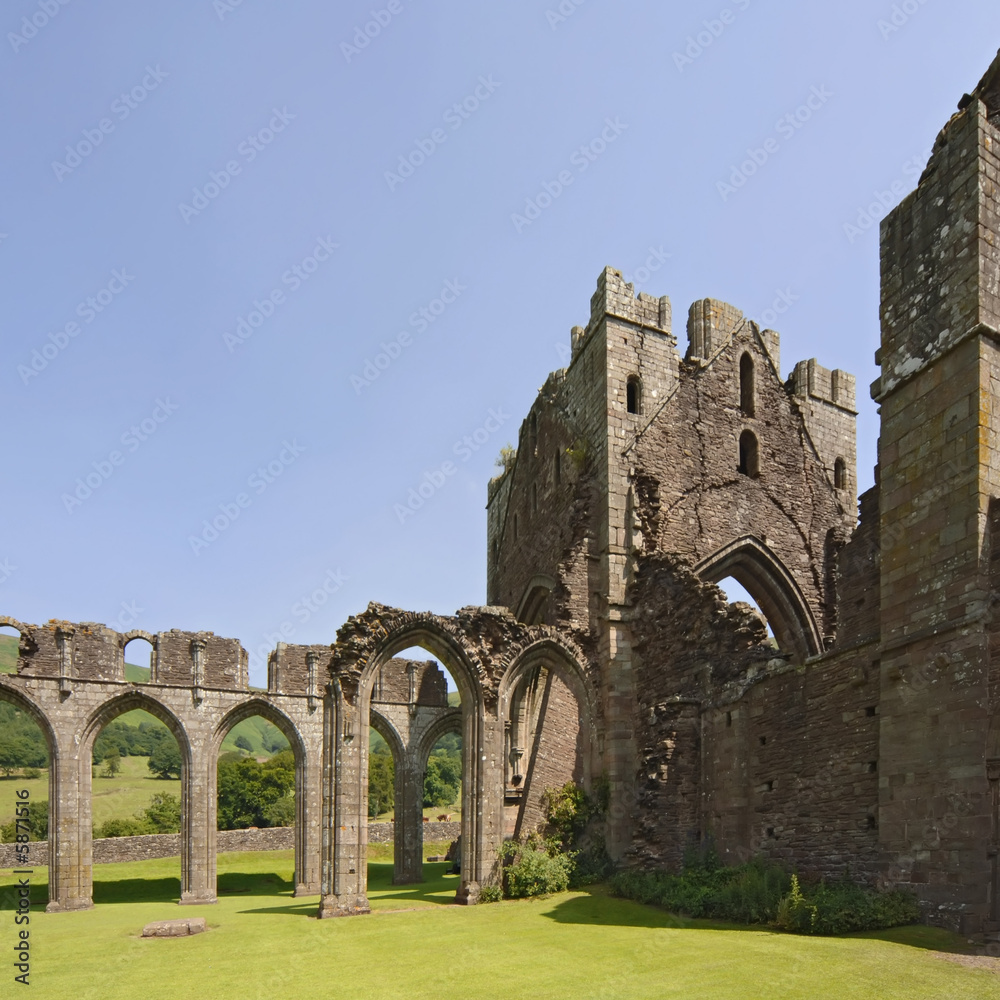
column 263, row 268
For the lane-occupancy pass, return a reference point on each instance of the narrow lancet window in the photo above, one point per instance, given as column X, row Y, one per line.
column 747, row 402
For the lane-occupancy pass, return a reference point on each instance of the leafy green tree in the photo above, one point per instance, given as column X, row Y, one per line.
column 381, row 784
column 442, row 780
column 112, row 763
column 165, row 760
column 244, row 744
column 249, row 791
column 163, row 814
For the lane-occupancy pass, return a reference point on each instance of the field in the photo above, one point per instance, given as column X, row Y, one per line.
column 114, row 798
column 262, row 943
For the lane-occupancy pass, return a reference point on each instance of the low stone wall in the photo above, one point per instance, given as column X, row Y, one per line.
column 108, row 850
column 383, row 833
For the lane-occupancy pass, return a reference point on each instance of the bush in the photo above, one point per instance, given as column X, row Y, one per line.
column 162, row 815
column 844, row 907
column 38, row 824
column 535, row 868
column 759, row 893
column 31, row 773
column 490, row 894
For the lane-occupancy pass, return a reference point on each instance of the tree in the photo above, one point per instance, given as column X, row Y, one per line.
column 112, row 763
column 165, row 760
column 381, row 784
column 244, row 744
column 249, row 791
column 442, row 780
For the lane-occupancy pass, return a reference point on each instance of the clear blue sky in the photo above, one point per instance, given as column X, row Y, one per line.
column 218, row 157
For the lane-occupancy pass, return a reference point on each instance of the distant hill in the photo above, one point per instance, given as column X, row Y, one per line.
column 8, row 654
column 454, row 699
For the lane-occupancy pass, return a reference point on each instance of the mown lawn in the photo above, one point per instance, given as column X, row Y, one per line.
column 265, row 944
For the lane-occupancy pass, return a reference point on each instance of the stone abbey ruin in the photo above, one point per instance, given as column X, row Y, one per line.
column 864, row 736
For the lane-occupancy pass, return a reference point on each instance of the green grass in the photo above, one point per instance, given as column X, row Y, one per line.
column 263, row 943
column 113, row 798
column 8, row 653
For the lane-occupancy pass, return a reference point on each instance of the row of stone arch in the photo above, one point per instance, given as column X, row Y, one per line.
column 487, row 652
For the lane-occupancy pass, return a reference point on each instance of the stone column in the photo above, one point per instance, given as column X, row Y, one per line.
column 345, row 873
column 198, row 826
column 408, row 864
column 70, row 851
column 308, row 820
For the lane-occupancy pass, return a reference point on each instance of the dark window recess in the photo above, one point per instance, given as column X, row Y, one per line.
column 633, row 395
column 840, row 474
column 872, row 766
column 763, row 740
column 870, row 711
column 747, row 401
column 729, row 718
column 872, row 823
column 749, row 455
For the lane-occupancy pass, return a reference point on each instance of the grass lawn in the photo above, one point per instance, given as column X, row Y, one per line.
column 263, row 943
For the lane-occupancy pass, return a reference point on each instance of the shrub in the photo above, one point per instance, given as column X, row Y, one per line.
column 490, row 894
column 31, row 773
column 759, row 892
column 535, row 868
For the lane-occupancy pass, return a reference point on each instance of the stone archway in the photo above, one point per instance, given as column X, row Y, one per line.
column 307, row 792
column 757, row 568
column 375, row 639
column 195, row 884
column 548, row 708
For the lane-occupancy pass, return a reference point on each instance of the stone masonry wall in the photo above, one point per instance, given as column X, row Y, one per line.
column 112, row 850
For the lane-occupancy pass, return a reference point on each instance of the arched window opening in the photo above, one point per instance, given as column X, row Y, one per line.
column 557, row 467
column 749, row 455
column 495, row 548
column 138, row 661
column 840, row 474
column 735, row 593
column 10, row 642
column 416, row 727
column 747, row 400
column 256, row 777
column 633, row 394
column 137, row 780
column 23, row 752
column 533, row 432
column 545, row 743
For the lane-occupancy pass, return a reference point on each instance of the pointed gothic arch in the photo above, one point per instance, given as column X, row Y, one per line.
column 759, row 570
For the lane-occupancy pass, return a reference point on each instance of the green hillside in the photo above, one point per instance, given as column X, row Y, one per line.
column 8, row 654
